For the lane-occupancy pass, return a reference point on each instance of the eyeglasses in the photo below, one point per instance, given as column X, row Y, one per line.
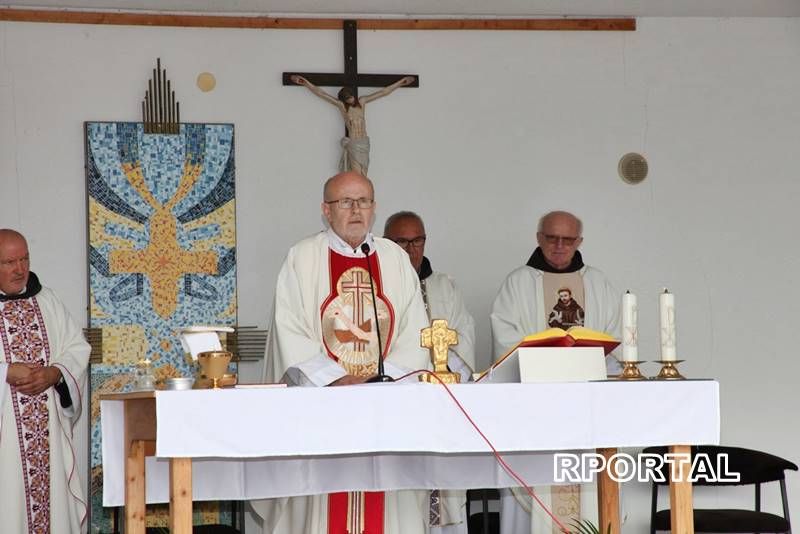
column 13, row 263
column 415, row 242
column 551, row 239
column 348, row 203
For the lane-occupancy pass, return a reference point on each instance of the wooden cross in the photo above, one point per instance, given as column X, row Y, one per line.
column 350, row 77
column 437, row 338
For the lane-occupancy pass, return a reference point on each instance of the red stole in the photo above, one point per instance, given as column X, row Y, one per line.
column 355, row 512
column 24, row 340
column 350, row 338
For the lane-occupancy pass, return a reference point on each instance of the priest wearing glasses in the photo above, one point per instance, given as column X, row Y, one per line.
column 525, row 305
column 531, row 292
column 323, row 333
column 443, row 300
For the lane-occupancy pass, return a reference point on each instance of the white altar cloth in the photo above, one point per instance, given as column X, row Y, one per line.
column 257, row 443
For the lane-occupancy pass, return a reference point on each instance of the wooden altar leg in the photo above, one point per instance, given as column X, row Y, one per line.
column 680, row 496
column 180, row 495
column 134, row 489
column 608, row 497
column 139, row 441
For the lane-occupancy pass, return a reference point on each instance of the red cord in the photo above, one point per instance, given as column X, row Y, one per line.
column 497, row 455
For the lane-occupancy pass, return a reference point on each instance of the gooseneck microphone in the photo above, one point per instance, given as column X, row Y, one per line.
column 381, row 376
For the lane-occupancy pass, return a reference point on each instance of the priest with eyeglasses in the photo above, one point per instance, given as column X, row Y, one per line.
column 324, row 333
column 532, row 296
column 443, row 300
column 553, row 289
column 442, row 297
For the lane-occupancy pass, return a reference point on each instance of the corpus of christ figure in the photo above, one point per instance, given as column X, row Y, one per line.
column 355, row 144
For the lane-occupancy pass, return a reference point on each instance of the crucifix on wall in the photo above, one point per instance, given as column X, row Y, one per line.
column 355, row 143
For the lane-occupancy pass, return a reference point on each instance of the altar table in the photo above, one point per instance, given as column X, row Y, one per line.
column 257, row 443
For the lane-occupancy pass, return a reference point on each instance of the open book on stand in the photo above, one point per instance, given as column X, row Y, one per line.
column 554, row 355
column 576, row 336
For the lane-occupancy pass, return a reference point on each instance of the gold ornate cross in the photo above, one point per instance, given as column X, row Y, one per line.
column 164, row 261
column 437, row 338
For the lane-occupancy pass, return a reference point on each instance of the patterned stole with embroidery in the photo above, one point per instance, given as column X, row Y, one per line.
column 351, row 339
column 564, row 305
column 25, row 341
column 435, row 497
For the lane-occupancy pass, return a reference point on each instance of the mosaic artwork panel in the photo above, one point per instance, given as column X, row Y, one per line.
column 161, row 254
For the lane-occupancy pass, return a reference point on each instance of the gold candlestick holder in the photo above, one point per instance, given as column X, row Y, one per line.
column 669, row 370
column 214, row 365
column 630, row 371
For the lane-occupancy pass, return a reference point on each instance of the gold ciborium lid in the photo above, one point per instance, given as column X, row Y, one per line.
column 214, row 364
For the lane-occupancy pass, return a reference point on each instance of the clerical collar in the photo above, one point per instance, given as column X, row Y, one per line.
column 425, row 269
column 537, row 261
column 340, row 246
column 31, row 290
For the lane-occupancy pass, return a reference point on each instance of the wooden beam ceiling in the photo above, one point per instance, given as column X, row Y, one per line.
column 261, row 23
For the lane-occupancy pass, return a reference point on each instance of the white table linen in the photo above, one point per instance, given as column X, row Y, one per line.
column 257, row 443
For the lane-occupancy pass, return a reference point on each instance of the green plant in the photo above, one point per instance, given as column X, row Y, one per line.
column 587, row 527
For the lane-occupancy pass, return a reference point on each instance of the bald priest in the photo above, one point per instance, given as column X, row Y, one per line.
column 323, row 333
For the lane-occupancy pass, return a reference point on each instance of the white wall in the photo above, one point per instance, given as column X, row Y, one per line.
column 505, row 126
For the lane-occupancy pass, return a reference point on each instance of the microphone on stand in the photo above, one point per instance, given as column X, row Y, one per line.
column 381, row 376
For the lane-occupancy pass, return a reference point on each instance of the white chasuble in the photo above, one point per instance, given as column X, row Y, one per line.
column 40, row 490
column 519, row 308
column 529, row 301
column 323, row 328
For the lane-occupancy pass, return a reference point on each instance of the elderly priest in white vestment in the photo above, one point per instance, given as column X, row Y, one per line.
column 43, row 365
column 323, row 333
column 443, row 300
column 554, row 289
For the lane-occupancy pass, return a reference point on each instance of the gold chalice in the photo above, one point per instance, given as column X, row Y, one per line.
column 214, row 364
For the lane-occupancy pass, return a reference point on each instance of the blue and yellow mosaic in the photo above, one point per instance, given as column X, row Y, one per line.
column 162, row 248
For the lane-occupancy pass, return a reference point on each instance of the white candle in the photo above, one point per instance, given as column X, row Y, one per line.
column 666, row 307
column 630, row 329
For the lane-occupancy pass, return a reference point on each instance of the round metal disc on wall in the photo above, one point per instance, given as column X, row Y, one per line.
column 206, row 82
column 632, row 168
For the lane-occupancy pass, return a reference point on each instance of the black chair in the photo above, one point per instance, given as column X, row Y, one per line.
column 483, row 522
column 755, row 468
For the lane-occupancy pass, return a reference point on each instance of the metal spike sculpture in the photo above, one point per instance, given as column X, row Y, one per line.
column 161, row 114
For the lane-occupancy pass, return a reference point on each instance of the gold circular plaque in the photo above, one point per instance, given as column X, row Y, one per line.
column 206, row 81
